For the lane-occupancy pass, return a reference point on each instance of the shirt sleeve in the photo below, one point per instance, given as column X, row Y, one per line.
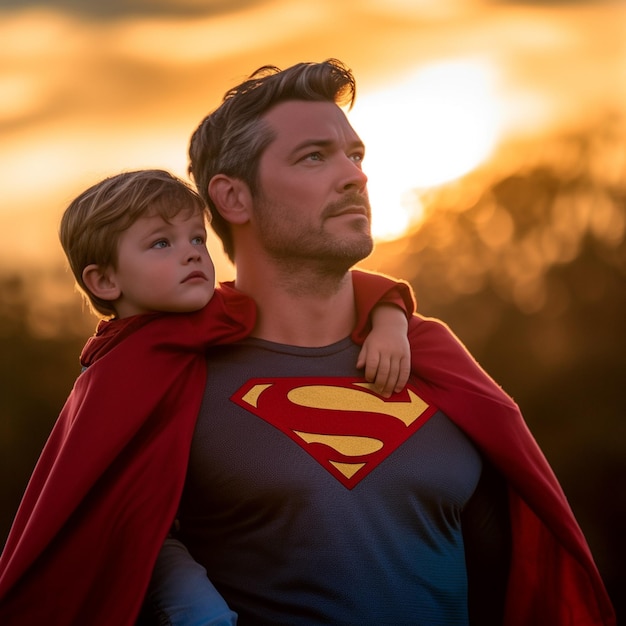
column 371, row 289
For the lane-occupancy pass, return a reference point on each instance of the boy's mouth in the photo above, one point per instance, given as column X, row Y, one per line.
column 194, row 275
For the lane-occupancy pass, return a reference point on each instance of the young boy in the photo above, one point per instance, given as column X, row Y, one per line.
column 136, row 243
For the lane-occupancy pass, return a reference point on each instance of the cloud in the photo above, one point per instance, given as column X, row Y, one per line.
column 81, row 96
column 115, row 9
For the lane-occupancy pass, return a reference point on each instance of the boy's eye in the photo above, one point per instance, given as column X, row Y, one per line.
column 198, row 241
column 161, row 243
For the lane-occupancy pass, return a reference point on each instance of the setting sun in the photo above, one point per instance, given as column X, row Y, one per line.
column 438, row 124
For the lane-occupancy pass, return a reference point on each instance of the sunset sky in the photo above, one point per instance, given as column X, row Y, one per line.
column 90, row 88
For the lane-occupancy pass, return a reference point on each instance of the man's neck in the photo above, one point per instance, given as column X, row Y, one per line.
column 302, row 307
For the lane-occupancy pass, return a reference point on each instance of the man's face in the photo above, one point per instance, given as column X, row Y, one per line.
column 312, row 202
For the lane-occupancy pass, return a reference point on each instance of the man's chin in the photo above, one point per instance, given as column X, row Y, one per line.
column 347, row 256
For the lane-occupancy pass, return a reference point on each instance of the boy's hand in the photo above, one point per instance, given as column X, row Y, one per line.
column 386, row 353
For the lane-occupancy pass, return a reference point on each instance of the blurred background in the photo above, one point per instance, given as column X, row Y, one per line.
column 496, row 153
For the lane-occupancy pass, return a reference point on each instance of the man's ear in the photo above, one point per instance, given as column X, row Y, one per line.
column 101, row 282
column 232, row 198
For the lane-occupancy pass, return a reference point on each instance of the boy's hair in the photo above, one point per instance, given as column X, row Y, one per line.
column 231, row 140
column 92, row 224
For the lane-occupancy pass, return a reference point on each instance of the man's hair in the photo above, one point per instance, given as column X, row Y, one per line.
column 91, row 226
column 231, row 140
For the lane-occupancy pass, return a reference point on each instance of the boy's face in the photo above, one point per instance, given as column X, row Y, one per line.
column 164, row 266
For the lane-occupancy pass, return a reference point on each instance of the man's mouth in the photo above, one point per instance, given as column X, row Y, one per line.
column 353, row 210
column 349, row 205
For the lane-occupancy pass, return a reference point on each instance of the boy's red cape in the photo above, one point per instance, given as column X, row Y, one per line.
column 105, row 490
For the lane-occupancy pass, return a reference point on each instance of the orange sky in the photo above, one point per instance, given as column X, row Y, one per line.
column 82, row 98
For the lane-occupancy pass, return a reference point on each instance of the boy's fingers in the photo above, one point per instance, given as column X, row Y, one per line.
column 379, row 373
column 383, row 382
column 404, row 372
column 364, row 357
column 371, row 367
column 392, row 378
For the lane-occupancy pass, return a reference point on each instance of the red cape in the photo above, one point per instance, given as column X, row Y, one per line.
column 553, row 579
column 106, row 487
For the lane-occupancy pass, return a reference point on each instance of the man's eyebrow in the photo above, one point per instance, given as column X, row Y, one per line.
column 325, row 143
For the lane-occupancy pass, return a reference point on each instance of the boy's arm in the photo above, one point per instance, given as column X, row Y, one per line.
column 386, row 353
column 180, row 592
column 383, row 308
column 371, row 289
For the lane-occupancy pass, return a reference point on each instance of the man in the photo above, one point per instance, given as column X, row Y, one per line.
column 309, row 499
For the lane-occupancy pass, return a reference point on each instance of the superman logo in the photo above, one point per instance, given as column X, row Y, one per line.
column 341, row 422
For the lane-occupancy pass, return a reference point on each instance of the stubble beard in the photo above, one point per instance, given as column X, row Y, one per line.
column 315, row 252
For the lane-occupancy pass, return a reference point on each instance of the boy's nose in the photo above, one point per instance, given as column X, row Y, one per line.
column 193, row 254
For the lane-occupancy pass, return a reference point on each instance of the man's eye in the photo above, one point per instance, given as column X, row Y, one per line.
column 314, row 156
column 357, row 157
column 161, row 243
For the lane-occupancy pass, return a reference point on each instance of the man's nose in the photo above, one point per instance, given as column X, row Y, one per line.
column 354, row 177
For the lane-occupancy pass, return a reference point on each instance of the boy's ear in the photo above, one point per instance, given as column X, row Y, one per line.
column 232, row 198
column 101, row 282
